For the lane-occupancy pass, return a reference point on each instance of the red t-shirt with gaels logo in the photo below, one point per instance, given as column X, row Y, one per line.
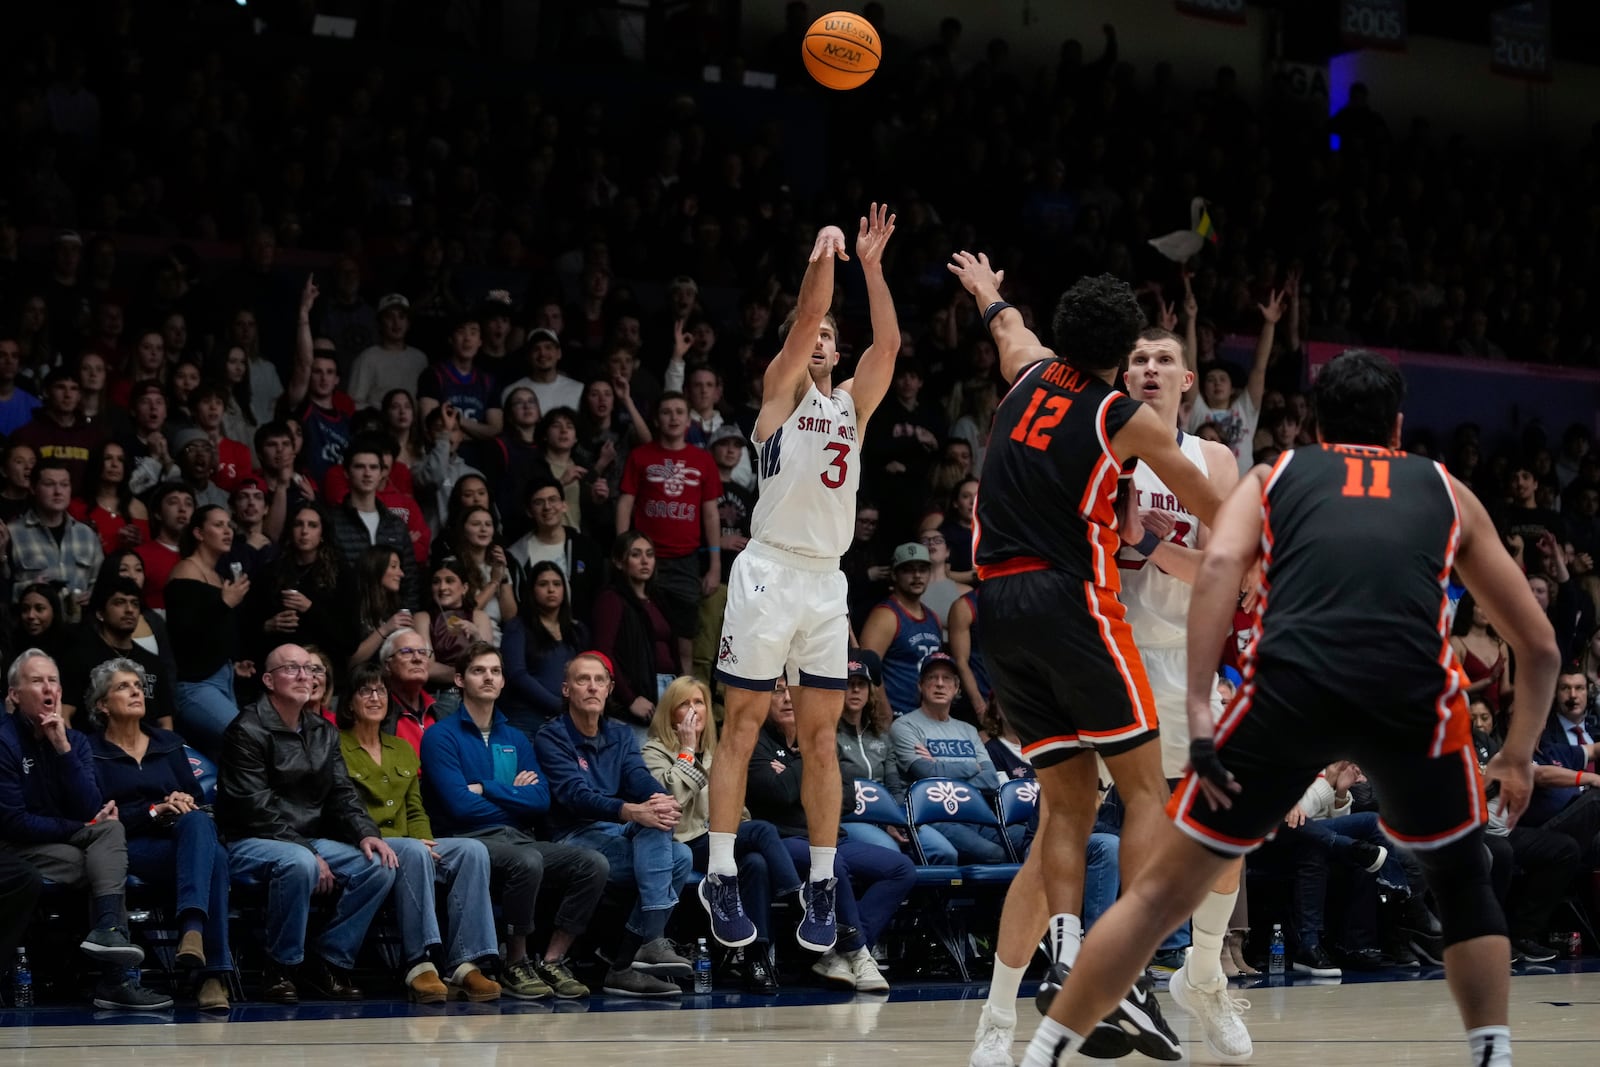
column 669, row 488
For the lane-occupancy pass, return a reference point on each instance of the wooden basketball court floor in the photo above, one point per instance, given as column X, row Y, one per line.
column 1555, row 1016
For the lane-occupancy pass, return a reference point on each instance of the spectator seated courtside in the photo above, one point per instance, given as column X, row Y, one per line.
column 385, row 771
column 602, row 797
column 296, row 825
column 483, row 780
column 53, row 817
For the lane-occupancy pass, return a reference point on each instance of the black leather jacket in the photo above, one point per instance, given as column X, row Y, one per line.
column 286, row 785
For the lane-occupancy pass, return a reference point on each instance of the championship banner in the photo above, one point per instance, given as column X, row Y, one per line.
column 1379, row 24
column 1519, row 40
column 1231, row 11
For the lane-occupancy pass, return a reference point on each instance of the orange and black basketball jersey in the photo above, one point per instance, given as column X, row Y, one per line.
column 1047, row 496
column 1358, row 546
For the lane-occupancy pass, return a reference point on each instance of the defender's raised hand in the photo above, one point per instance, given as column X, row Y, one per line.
column 974, row 272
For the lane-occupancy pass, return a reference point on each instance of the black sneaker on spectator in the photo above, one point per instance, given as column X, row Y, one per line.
column 1360, row 959
column 1397, row 953
column 120, row 992
column 751, row 969
column 110, row 944
column 1416, row 918
column 1315, row 962
column 632, row 982
column 1524, row 951
column 1367, row 856
column 661, row 959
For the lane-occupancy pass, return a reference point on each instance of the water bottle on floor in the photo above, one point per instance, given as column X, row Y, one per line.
column 702, row 968
column 1275, row 958
column 22, row 981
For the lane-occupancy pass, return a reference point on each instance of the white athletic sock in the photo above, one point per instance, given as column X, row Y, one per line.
column 1002, row 1002
column 1491, row 1046
column 1209, row 931
column 1066, row 934
column 822, row 863
column 721, row 861
column 1051, row 1044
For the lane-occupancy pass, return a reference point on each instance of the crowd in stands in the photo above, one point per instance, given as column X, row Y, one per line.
column 425, row 546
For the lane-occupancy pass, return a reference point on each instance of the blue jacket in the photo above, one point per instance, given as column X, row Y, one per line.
column 45, row 798
column 135, row 786
column 592, row 777
column 454, row 756
column 1556, row 750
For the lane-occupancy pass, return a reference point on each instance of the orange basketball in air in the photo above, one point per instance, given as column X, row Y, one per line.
column 842, row 50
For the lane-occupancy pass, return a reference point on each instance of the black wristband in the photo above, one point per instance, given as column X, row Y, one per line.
column 1205, row 762
column 991, row 311
column 1147, row 544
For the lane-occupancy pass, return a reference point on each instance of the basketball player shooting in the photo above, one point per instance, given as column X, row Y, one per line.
column 786, row 611
column 1355, row 540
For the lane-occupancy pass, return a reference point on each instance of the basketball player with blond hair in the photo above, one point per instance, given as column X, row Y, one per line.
column 787, row 613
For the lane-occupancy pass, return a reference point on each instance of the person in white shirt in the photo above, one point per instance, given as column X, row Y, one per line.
column 554, row 389
column 391, row 363
column 1236, row 411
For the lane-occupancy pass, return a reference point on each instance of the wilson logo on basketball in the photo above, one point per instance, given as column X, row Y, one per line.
column 849, row 28
column 949, row 795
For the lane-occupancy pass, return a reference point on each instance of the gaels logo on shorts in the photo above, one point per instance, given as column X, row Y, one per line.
column 725, row 653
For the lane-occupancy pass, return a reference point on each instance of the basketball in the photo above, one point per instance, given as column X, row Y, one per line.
column 841, row 50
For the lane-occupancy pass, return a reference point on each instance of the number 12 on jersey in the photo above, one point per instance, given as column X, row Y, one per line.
column 1035, row 426
column 1366, row 478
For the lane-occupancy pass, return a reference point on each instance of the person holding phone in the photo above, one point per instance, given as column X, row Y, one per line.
column 201, row 615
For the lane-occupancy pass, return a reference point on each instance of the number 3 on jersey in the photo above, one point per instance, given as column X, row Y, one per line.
column 1035, row 426
column 833, row 477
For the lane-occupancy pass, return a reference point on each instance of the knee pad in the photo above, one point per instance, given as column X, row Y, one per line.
column 1458, row 874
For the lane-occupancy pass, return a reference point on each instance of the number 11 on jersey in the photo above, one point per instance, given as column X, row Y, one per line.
column 1366, row 478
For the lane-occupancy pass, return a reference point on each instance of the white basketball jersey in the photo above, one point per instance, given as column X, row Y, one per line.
column 1158, row 603
column 809, row 469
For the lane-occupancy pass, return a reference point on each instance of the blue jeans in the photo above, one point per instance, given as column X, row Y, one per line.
column 873, row 883
column 937, row 851
column 1101, row 876
column 765, row 870
column 195, row 861
column 463, row 868
column 1341, row 831
column 289, row 872
column 974, row 844
column 644, row 859
column 205, row 708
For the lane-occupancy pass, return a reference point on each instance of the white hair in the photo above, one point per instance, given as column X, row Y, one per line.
column 14, row 675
